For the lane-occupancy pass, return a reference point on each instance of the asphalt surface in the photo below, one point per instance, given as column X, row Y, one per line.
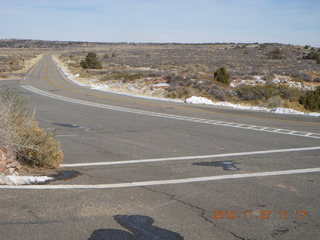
column 264, row 207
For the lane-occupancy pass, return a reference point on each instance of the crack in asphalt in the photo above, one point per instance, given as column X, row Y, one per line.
column 202, row 211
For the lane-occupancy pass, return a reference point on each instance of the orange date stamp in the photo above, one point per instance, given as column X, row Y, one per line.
column 259, row 214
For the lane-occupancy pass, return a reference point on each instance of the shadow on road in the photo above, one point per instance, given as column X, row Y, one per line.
column 139, row 228
column 230, row 166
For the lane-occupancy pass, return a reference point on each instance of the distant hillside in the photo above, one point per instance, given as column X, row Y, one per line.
column 27, row 43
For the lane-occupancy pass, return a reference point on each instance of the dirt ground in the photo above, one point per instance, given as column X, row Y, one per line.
column 14, row 63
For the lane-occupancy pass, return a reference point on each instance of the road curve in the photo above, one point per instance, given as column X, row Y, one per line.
column 150, row 169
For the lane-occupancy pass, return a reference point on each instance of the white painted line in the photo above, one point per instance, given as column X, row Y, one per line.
column 170, row 116
column 164, row 182
column 188, row 157
column 13, row 79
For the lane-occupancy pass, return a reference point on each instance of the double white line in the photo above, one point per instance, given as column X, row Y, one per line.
column 177, row 117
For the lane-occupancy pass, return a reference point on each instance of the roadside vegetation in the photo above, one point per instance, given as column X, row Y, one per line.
column 21, row 138
column 269, row 75
column 311, row 100
column 16, row 62
column 91, row 61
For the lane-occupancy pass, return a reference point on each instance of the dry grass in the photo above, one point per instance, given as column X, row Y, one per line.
column 21, row 136
column 23, row 60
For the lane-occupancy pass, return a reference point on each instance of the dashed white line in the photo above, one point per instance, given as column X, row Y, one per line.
column 189, row 157
column 165, row 182
column 176, row 117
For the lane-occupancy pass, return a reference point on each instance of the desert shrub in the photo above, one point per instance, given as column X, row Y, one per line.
column 175, row 79
column 304, row 76
column 274, row 102
column 221, row 75
column 21, row 135
column 311, row 100
column 180, row 92
column 91, row 61
column 218, row 92
column 275, row 54
column 40, row 149
column 131, row 76
column 311, row 55
column 124, row 77
column 265, row 92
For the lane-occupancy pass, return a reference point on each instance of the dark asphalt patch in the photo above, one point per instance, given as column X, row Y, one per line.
column 226, row 165
column 65, row 175
column 71, row 125
column 139, row 227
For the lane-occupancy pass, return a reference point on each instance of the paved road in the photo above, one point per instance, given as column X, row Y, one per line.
column 160, row 191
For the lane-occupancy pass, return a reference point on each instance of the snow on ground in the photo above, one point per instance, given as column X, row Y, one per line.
column 161, row 85
column 202, row 100
column 15, row 179
column 278, row 79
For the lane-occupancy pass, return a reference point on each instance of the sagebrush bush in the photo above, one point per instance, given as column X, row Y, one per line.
column 311, row 100
column 275, row 54
column 21, row 135
column 274, row 102
column 218, row 92
column 265, row 92
column 40, row 149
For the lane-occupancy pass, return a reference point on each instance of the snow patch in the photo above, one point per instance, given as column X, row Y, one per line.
column 15, row 179
column 199, row 100
column 202, row 100
column 161, row 85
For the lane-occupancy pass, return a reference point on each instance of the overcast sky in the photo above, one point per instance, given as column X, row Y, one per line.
column 284, row 21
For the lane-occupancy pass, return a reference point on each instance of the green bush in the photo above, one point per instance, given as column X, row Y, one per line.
column 313, row 55
column 311, row 100
column 221, row 75
column 91, row 61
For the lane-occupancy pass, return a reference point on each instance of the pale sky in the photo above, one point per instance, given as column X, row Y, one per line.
column 283, row 21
